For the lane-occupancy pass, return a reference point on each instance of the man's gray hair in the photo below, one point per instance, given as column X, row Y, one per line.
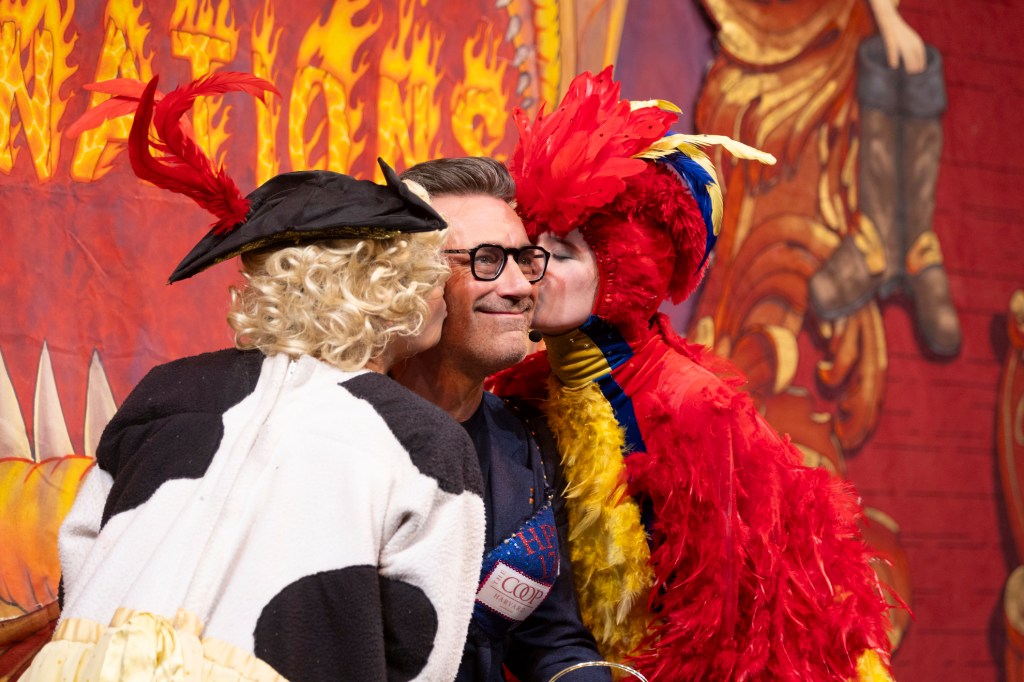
column 464, row 176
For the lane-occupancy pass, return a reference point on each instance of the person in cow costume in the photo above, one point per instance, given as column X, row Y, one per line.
column 283, row 509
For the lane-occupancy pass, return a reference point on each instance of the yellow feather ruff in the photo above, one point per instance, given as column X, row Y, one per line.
column 871, row 669
column 607, row 543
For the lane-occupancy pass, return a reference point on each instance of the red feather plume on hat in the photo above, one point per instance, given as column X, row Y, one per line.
column 181, row 165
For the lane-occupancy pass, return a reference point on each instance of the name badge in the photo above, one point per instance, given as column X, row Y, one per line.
column 510, row 593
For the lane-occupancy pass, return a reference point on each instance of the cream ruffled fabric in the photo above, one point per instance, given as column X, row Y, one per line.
column 139, row 647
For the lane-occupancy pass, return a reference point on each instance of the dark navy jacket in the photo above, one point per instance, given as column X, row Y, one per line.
column 553, row 637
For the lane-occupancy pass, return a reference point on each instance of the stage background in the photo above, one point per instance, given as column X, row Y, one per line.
column 931, row 442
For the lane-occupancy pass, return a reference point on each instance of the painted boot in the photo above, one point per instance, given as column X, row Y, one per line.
column 924, row 100
column 869, row 260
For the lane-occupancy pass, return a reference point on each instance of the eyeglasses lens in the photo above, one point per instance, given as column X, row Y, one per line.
column 488, row 261
column 532, row 261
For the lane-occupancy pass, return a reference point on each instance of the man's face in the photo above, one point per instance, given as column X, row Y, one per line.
column 488, row 322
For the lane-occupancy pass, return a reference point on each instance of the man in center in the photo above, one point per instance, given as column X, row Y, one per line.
column 525, row 616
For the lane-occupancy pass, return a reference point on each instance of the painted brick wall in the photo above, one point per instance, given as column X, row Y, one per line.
column 931, row 464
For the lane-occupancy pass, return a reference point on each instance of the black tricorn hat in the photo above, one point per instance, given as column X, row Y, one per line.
column 305, row 206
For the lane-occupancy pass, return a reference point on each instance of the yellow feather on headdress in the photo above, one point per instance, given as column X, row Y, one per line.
column 691, row 146
column 690, row 143
column 662, row 104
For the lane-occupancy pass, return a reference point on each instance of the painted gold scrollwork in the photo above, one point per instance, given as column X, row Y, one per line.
column 777, row 86
column 1010, row 451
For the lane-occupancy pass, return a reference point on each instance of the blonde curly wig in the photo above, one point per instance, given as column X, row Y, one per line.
column 342, row 301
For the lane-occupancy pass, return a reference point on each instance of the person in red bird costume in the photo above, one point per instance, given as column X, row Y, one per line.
column 703, row 549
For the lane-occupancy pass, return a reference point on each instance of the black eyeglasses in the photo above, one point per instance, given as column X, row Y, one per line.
column 487, row 261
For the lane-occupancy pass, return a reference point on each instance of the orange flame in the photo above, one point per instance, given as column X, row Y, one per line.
column 38, row 483
column 122, row 55
column 409, row 114
column 39, row 28
column 205, row 35
column 329, row 64
column 265, row 39
column 34, row 499
column 480, row 103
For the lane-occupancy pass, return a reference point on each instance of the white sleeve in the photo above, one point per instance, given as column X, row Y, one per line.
column 437, row 546
column 80, row 529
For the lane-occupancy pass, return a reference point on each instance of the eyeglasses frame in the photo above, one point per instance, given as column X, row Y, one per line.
column 507, row 251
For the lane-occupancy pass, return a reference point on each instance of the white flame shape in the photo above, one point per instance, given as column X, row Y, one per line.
column 50, row 432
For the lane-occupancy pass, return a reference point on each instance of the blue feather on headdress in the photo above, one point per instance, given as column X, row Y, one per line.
column 683, row 154
column 698, row 181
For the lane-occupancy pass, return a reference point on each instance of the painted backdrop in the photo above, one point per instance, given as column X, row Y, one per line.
column 931, row 439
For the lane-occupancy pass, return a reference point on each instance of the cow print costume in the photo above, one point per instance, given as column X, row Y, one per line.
column 329, row 522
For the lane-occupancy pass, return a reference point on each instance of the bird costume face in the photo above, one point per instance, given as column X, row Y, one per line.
column 639, row 263
column 566, row 295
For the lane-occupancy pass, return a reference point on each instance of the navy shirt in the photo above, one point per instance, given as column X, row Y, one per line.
column 516, row 478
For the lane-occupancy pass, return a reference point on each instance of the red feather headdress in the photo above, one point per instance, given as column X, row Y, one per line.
column 182, row 166
column 577, row 158
column 597, row 158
